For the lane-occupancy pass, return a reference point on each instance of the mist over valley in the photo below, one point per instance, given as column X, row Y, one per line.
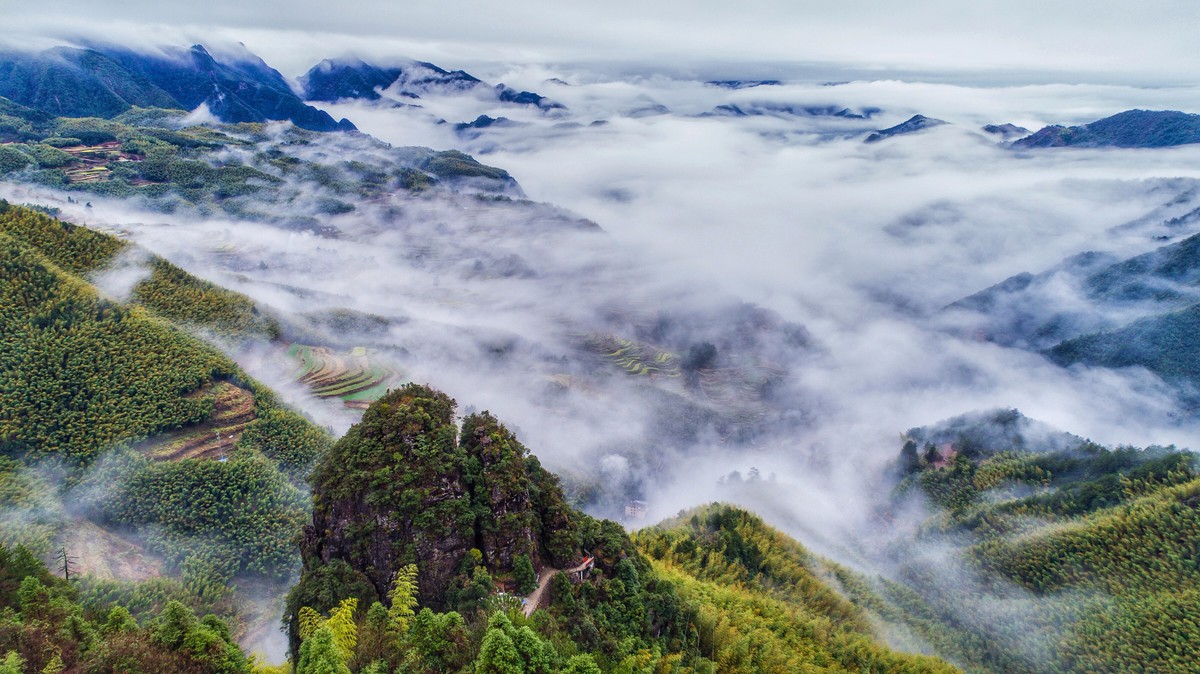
column 939, row 330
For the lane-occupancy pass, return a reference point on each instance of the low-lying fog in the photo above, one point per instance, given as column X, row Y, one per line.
column 860, row 244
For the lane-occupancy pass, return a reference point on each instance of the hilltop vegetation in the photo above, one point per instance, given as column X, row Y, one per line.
column 1104, row 538
column 410, row 512
column 90, row 385
column 765, row 604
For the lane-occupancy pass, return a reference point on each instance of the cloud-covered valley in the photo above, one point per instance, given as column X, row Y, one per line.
column 815, row 264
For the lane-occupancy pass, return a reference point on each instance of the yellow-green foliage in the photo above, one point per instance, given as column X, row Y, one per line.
column 403, row 597
column 168, row 291
column 183, row 298
column 34, row 513
column 345, row 630
column 758, row 604
column 1152, row 633
column 1146, row 545
column 1106, row 540
column 748, row 631
column 73, row 248
column 340, row 625
column 310, row 621
column 732, row 546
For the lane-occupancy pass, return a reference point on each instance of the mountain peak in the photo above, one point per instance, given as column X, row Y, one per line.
column 911, row 125
column 1128, row 129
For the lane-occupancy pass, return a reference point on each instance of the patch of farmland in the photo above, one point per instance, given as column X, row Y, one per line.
column 233, row 409
column 636, row 358
column 352, row 376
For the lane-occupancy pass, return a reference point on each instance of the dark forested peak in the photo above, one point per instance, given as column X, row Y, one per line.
column 76, row 82
column 420, row 77
column 1132, row 128
column 756, row 109
column 1005, row 131
column 470, row 510
column 102, row 80
column 911, row 125
column 743, row 84
column 507, row 94
column 338, row 79
column 354, row 79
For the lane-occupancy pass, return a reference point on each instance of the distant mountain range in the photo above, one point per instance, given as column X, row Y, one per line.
column 911, row 125
column 353, row 79
column 104, row 81
column 789, row 110
column 1132, row 128
column 1099, row 309
column 1129, row 129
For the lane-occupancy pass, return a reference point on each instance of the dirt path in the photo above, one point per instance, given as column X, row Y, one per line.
column 535, row 598
column 103, row 554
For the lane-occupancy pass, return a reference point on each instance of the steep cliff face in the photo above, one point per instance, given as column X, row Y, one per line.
column 505, row 519
column 402, row 488
column 391, row 492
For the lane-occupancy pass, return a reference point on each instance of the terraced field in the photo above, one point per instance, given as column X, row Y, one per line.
column 233, row 409
column 736, row 385
column 349, row 376
column 91, row 161
column 635, row 357
column 738, row 389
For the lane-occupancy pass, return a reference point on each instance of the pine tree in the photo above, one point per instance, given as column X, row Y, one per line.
column 524, row 575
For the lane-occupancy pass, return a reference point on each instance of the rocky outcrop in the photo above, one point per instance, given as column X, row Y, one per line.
column 499, row 492
column 402, row 488
column 391, row 493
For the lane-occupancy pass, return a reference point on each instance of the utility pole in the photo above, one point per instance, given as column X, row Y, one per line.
column 66, row 561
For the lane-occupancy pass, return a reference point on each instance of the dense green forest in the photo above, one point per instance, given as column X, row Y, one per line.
column 84, row 442
column 89, row 389
column 424, row 531
column 45, row 628
column 1100, row 544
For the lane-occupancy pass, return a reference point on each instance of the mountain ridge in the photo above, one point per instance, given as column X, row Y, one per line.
column 1129, row 129
column 98, row 80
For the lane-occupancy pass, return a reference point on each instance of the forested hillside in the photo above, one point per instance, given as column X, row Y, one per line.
column 161, row 510
column 426, row 533
column 1104, row 539
column 93, row 393
column 248, row 170
column 410, row 512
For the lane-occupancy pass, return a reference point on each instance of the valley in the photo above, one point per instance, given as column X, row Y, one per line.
column 321, row 353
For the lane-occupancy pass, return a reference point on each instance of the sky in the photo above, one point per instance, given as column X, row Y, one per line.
column 1148, row 42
